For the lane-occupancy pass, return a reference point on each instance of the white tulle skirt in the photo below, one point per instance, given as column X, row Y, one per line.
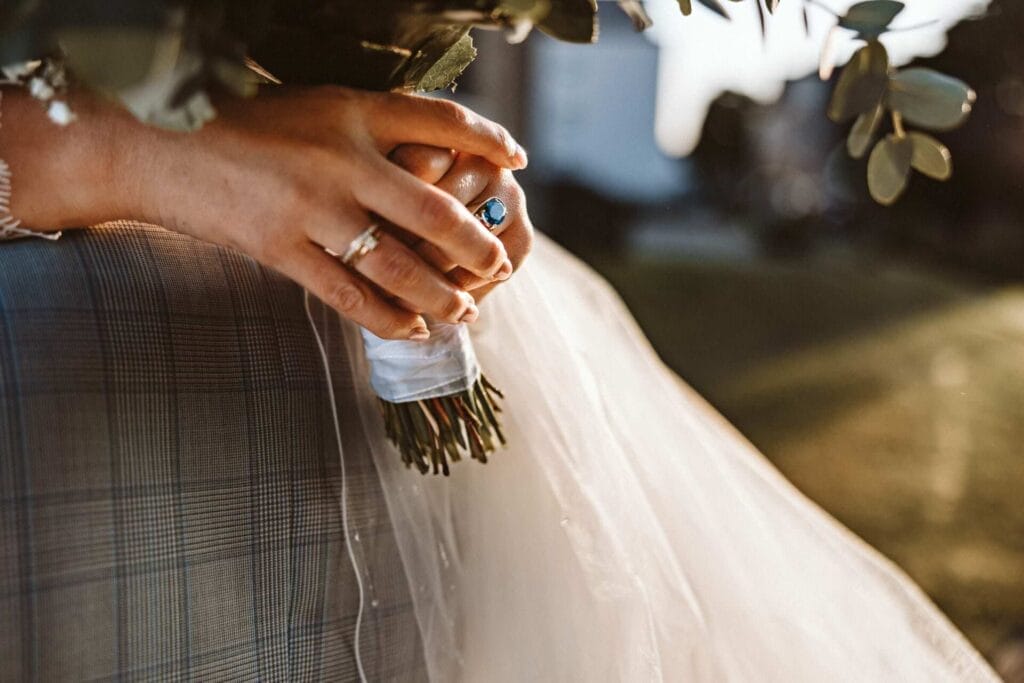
column 628, row 533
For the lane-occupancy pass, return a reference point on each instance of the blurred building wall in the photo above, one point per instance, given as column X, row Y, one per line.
column 585, row 113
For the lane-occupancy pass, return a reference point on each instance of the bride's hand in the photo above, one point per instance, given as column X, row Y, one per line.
column 278, row 177
column 471, row 180
column 283, row 175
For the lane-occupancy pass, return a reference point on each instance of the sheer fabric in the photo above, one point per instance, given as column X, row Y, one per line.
column 628, row 533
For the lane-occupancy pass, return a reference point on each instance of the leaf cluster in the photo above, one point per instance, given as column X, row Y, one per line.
column 870, row 90
column 162, row 57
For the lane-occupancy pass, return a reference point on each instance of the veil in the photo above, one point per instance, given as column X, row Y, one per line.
column 628, row 533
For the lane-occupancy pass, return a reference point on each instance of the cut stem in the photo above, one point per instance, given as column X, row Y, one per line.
column 433, row 432
column 897, row 125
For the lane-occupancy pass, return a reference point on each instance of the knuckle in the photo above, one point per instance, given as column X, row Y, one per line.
column 524, row 246
column 515, row 190
column 452, row 309
column 272, row 244
column 438, row 211
column 399, row 269
column 345, row 297
column 457, row 115
column 297, row 197
column 492, row 256
column 269, row 251
column 391, row 328
column 409, row 158
column 505, row 139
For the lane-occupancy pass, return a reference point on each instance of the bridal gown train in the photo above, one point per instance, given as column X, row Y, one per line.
column 628, row 533
column 170, row 487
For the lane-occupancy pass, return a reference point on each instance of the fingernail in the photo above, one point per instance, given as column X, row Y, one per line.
column 505, row 272
column 471, row 315
column 419, row 334
column 520, row 157
column 511, row 146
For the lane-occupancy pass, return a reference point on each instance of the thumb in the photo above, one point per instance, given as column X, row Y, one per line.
column 429, row 164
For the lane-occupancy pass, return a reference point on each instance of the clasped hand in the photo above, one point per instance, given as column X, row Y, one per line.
column 296, row 172
column 288, row 175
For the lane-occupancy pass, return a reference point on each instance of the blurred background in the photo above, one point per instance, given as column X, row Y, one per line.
column 875, row 355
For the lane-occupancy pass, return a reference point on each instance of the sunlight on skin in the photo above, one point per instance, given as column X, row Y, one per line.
column 703, row 56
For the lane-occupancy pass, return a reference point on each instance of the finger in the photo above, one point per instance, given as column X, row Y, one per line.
column 518, row 240
column 442, row 123
column 473, row 180
column 429, row 164
column 435, row 216
column 432, row 165
column 397, row 270
column 348, row 294
column 468, row 181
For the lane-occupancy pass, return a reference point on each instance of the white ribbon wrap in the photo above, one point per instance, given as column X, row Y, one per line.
column 406, row 371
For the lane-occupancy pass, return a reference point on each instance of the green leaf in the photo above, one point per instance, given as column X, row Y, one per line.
column 872, row 18
column 714, row 5
column 930, row 99
column 449, row 66
column 931, row 157
column 862, row 83
column 574, row 21
column 863, row 132
column 634, row 9
column 116, row 57
column 889, row 169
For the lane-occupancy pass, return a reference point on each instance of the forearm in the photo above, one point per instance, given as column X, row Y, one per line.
column 75, row 175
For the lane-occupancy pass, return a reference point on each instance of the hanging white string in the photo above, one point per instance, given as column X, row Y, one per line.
column 344, row 488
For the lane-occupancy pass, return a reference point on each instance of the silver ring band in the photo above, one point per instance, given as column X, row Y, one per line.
column 363, row 244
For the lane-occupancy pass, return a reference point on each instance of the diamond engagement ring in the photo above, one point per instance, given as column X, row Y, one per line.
column 492, row 213
column 363, row 244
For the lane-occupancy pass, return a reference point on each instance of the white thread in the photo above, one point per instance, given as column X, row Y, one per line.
column 344, row 490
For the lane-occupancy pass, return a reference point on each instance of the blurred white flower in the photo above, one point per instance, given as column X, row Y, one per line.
column 703, row 56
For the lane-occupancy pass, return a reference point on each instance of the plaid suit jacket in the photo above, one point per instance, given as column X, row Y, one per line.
column 169, row 478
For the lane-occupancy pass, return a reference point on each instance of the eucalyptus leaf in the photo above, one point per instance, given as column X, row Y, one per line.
column 574, row 21
column 634, row 9
column 930, row 99
column 862, row 84
column 872, row 18
column 531, row 9
column 714, row 5
column 889, row 169
column 863, row 132
column 449, row 66
column 931, row 157
column 114, row 58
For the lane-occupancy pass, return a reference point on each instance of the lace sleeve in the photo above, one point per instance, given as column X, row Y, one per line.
column 45, row 81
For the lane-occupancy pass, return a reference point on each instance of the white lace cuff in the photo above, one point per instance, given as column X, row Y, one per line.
column 46, row 82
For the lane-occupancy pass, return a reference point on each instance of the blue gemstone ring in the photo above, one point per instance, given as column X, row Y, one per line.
column 492, row 213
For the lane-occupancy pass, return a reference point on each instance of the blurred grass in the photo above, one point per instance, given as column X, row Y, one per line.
column 892, row 397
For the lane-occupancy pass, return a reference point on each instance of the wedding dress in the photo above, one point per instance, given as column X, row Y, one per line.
column 628, row 532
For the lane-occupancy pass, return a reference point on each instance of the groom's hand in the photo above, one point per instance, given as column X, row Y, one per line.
column 471, row 180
